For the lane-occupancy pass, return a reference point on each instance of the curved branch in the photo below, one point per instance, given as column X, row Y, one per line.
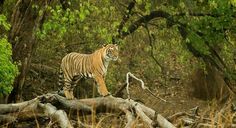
column 152, row 49
column 154, row 14
column 126, row 16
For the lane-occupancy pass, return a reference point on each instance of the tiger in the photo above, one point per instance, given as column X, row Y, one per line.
column 75, row 66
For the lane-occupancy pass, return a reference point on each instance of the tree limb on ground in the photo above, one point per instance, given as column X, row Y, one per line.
column 42, row 106
column 46, row 106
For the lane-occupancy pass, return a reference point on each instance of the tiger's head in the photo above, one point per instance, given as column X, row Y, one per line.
column 111, row 52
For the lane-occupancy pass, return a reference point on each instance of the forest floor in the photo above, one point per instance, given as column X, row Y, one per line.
column 177, row 95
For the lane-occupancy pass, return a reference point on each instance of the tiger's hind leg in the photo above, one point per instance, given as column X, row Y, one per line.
column 68, row 90
column 69, row 87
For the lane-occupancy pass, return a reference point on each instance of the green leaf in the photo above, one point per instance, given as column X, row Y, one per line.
column 3, row 22
column 148, row 8
column 82, row 16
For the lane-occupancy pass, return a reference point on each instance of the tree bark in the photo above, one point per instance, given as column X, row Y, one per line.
column 23, row 24
column 1, row 5
column 46, row 105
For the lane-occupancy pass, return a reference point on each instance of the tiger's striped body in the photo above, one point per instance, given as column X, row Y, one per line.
column 75, row 66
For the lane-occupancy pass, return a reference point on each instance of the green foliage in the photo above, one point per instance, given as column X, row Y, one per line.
column 58, row 23
column 8, row 6
column 78, row 20
column 83, row 27
column 144, row 6
column 198, row 43
column 86, row 25
column 8, row 70
column 3, row 22
column 216, row 17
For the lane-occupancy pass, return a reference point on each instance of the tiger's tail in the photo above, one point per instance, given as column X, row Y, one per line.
column 60, row 79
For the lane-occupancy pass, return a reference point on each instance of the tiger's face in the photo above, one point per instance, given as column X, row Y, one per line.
column 112, row 52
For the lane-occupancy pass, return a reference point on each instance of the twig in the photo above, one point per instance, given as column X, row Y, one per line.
column 150, row 37
column 83, row 124
column 155, row 95
column 119, row 93
column 142, row 85
column 127, row 82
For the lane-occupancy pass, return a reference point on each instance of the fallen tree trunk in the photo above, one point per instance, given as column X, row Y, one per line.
column 31, row 109
column 46, row 105
column 56, row 115
column 136, row 114
column 41, row 106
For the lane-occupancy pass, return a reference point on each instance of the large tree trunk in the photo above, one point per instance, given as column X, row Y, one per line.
column 24, row 23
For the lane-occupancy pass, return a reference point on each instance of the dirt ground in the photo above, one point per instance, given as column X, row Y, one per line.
column 178, row 97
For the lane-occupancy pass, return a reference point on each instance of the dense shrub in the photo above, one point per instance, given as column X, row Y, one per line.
column 8, row 69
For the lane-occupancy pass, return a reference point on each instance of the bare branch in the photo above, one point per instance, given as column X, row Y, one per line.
column 7, row 108
column 145, row 19
column 130, row 119
column 142, row 85
column 152, row 49
column 56, row 115
column 126, row 16
column 7, row 119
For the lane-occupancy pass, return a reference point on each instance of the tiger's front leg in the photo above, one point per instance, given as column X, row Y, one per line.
column 102, row 89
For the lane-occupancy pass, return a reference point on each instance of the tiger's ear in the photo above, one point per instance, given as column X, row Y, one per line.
column 103, row 45
column 116, row 45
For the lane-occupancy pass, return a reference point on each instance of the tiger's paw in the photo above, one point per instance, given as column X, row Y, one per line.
column 108, row 94
column 69, row 95
column 70, row 98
